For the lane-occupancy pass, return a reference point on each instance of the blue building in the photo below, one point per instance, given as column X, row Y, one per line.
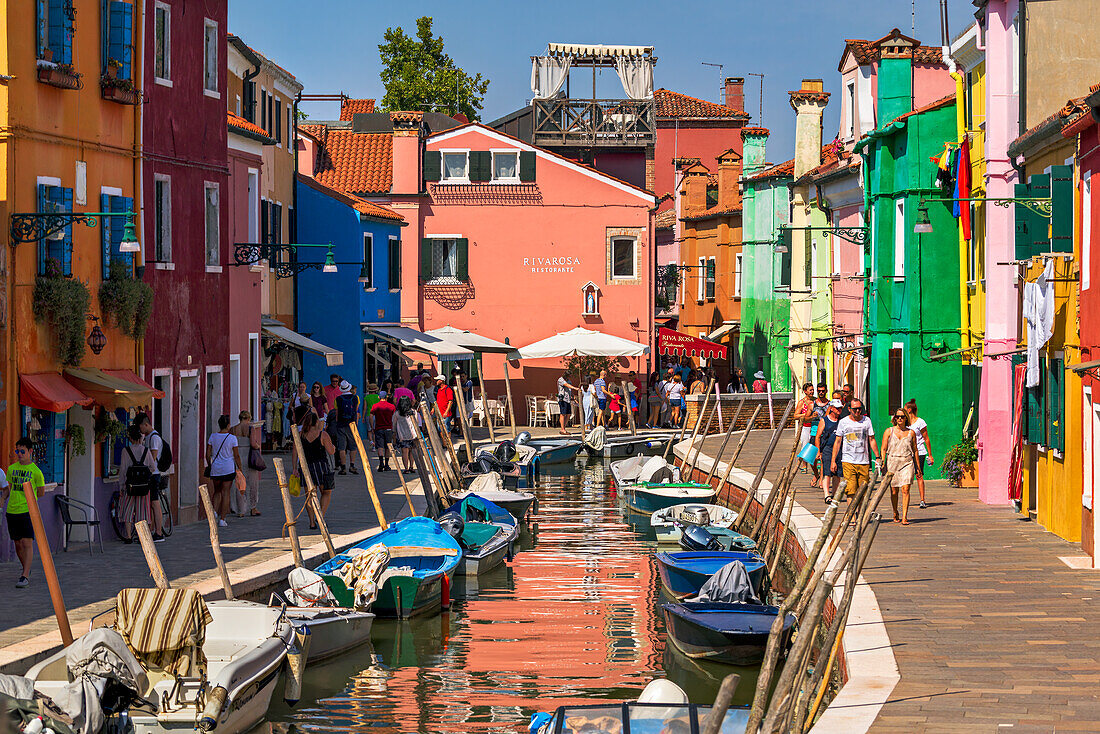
column 333, row 308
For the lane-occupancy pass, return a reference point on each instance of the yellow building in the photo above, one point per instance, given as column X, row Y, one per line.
column 70, row 140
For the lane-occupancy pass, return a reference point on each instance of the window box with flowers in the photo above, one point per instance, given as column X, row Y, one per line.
column 118, row 89
column 62, row 76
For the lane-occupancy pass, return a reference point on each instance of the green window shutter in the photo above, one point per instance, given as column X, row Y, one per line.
column 425, row 259
column 1040, row 228
column 1056, row 403
column 1025, row 223
column 106, row 235
column 711, row 278
column 481, row 165
column 785, row 258
column 433, row 165
column 527, row 160
column 1061, row 218
column 1036, row 418
column 395, row 264
column 462, row 259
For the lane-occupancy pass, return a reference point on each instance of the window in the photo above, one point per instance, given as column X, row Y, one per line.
column 506, row 165
column 271, row 115
column 263, row 108
column 111, row 230
column 395, row 264
column 444, row 259
column 738, row 269
column 700, row 280
column 849, row 108
column 46, row 431
column 162, row 201
column 278, row 121
column 368, row 261
column 55, row 253
column 162, row 42
column 238, row 105
column 456, row 166
column 289, row 124
column 54, row 31
column 213, row 226
column 835, row 269
column 896, row 376
column 248, row 102
column 899, row 238
column 210, row 58
column 623, row 261
column 120, row 43
column 253, row 205
column 711, row 278
column 1086, row 230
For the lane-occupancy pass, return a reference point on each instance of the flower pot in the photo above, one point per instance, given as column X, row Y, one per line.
column 970, row 476
column 120, row 95
column 58, row 77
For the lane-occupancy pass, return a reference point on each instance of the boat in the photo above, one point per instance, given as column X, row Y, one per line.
column 333, row 630
column 643, row 469
column 422, row 558
column 648, row 497
column 669, row 522
column 242, row 645
column 731, row 633
column 486, row 531
column 489, row 487
column 556, row 450
column 683, row 573
column 626, row 445
column 516, row 463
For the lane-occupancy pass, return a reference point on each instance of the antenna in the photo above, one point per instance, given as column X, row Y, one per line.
column 720, row 84
column 761, row 118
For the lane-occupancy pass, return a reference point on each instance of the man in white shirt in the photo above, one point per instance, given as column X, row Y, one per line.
column 924, row 446
column 853, row 445
column 155, row 444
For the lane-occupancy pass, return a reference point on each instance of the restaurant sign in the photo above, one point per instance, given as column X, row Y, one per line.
column 551, row 264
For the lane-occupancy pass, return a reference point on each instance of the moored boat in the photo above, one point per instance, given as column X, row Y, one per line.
column 332, row 630
column 684, row 573
column 643, row 468
column 668, row 522
column 515, row 502
column 649, row 497
column 732, row 633
column 556, row 450
column 487, row 534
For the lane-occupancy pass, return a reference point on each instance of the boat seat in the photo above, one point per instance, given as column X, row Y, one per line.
column 477, row 534
column 345, row 597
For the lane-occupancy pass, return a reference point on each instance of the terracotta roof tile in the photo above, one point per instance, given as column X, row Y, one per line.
column 1067, row 115
column 362, row 206
column 252, row 130
column 666, row 219
column 712, row 212
column 361, row 163
column 349, row 107
column 406, row 116
column 675, row 105
column 754, row 131
column 866, row 52
column 377, row 210
column 777, row 170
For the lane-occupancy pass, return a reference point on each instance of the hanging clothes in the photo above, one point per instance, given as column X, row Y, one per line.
column 962, row 188
column 944, row 180
column 1039, row 312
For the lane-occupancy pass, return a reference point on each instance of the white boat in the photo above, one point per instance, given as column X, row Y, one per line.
column 485, row 530
column 643, row 469
column 333, row 630
column 666, row 522
column 489, row 486
column 245, row 647
column 647, row 497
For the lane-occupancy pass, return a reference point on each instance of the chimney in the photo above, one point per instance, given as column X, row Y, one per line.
column 809, row 105
column 729, row 178
column 693, row 190
column 735, row 93
column 754, row 141
column 307, row 155
column 407, row 173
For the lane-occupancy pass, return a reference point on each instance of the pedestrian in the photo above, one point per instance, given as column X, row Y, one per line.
column 614, row 407
column 370, row 397
column 759, row 383
column 400, row 391
column 805, row 416
column 601, row 396
column 320, row 402
column 445, row 400
column 316, row 450
column 853, row 445
column 698, row 385
column 348, row 409
column 825, row 438
column 155, row 444
column 386, row 390
column 565, row 401
column 333, row 391
column 17, row 513
column 899, row 444
column 846, row 396
column 223, row 461
column 675, row 394
column 300, row 404
column 136, row 469
column 382, row 419
column 924, row 447
column 588, row 404
column 248, row 434
column 634, row 394
column 404, row 425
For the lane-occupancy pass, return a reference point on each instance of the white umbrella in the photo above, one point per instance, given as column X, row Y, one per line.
column 470, row 340
column 585, row 342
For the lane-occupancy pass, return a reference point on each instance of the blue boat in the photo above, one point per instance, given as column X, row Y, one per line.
column 684, row 573
column 489, row 534
column 732, row 633
column 415, row 543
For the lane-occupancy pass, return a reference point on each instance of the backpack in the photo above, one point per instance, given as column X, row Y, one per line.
column 405, row 406
column 139, row 477
column 345, row 409
column 164, row 456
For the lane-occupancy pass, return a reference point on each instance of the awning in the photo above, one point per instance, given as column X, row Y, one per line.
column 470, row 340
column 596, row 49
column 1083, row 367
column 411, row 340
column 51, row 392
column 675, row 342
column 274, row 329
column 722, row 330
column 113, row 388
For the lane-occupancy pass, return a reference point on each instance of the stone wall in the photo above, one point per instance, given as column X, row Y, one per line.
column 727, row 407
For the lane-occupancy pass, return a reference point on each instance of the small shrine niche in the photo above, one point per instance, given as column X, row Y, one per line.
column 590, row 295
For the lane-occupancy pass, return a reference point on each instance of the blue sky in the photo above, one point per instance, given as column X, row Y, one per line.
column 333, row 45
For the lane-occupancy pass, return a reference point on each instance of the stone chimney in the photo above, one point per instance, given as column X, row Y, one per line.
column 754, row 143
column 735, row 93
column 693, row 189
column 407, row 162
column 729, row 178
column 809, row 105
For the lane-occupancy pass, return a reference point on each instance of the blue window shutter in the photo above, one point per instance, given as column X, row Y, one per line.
column 41, row 26
column 43, row 208
column 66, row 201
column 59, row 32
column 105, row 238
column 120, row 36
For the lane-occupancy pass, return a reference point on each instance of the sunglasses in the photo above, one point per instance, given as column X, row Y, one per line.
column 856, row 409
column 21, row 451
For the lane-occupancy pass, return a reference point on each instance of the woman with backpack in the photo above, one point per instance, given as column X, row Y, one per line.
column 404, row 427
column 136, row 470
column 317, row 447
column 223, row 461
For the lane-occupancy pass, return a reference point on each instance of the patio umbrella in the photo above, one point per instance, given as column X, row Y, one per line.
column 585, row 342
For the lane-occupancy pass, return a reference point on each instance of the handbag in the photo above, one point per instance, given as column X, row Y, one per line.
column 295, row 485
column 239, row 480
column 206, row 470
column 256, row 460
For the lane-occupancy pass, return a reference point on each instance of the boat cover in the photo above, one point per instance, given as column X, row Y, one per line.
column 473, row 508
column 166, row 628
column 730, row 584
column 483, row 482
column 595, row 438
column 656, row 469
column 362, row 574
column 629, row 470
column 308, row 589
column 21, row 704
column 100, row 655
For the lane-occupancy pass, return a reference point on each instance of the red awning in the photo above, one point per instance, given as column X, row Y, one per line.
column 673, row 342
column 113, row 388
column 51, row 392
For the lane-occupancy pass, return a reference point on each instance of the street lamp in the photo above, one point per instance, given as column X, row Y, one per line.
column 364, row 274
column 97, row 340
column 924, row 223
column 129, row 238
column 330, row 263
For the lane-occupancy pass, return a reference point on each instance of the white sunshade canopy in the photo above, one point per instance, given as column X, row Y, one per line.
column 721, row 331
column 585, row 342
column 596, row 49
column 470, row 340
column 411, row 340
column 274, row 329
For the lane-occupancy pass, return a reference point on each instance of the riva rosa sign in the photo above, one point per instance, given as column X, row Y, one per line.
column 551, row 264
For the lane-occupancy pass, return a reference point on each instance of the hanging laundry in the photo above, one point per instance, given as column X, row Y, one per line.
column 962, row 188
column 1038, row 310
column 943, row 171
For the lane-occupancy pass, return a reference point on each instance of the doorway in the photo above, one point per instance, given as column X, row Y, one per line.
column 234, row 387
column 213, row 398
column 896, row 378
column 80, row 481
column 187, row 463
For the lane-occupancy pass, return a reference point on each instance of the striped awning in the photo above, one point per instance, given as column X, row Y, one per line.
column 675, row 342
column 596, row 49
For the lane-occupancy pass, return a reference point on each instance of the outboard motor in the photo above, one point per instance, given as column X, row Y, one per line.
column 523, row 438
column 453, row 524
column 695, row 538
column 505, row 452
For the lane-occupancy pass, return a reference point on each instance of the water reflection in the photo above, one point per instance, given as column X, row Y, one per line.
column 571, row 620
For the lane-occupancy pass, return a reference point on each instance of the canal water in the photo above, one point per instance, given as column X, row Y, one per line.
column 573, row 619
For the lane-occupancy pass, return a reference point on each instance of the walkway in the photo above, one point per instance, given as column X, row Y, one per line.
column 992, row 631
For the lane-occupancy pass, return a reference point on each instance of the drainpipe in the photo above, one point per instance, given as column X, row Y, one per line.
column 1022, row 71
column 962, row 133
column 294, row 196
column 139, row 171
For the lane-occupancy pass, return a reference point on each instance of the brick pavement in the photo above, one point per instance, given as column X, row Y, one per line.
column 992, row 632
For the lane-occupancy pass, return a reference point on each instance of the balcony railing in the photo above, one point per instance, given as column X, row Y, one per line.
column 601, row 122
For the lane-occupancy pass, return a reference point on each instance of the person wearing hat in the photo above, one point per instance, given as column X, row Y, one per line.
column 826, row 434
column 445, row 399
column 348, row 409
column 760, row 383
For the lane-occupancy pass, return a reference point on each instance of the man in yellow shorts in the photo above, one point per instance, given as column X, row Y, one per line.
column 853, row 445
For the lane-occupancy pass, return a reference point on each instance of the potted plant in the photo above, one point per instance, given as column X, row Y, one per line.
column 960, row 466
column 74, row 439
column 61, row 303
column 123, row 91
column 108, row 428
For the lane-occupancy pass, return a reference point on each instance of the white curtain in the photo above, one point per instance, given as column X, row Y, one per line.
column 637, row 77
column 865, row 101
column 548, row 75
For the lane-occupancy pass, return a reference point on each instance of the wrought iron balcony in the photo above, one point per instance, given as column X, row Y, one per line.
column 594, row 122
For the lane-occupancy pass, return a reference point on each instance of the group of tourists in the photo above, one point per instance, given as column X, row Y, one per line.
column 604, row 400
column 838, row 427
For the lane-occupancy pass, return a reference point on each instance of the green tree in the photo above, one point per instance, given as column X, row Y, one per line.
column 419, row 76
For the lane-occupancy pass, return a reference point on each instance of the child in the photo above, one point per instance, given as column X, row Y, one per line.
column 614, row 408
column 18, row 514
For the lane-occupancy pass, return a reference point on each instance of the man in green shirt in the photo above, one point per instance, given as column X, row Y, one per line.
column 17, row 514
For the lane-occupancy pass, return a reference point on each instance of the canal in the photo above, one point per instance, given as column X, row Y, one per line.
column 573, row 619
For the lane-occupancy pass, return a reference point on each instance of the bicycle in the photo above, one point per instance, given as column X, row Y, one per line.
column 116, row 519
